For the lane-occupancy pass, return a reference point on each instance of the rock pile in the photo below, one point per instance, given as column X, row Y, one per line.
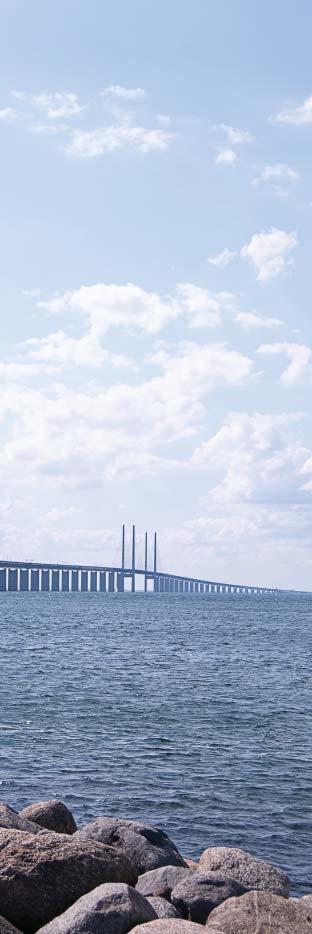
column 115, row 876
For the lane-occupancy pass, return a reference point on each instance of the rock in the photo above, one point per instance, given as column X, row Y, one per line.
column 231, row 863
column 191, row 863
column 41, row 875
column 7, row 928
column 162, row 907
column 146, row 846
column 53, row 815
column 161, row 881
column 261, row 912
column 113, row 908
column 10, row 819
column 170, row 926
column 197, row 895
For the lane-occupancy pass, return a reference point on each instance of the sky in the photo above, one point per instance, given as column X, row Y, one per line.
column 156, row 251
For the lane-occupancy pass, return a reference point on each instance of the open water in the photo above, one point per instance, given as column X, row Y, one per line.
column 193, row 713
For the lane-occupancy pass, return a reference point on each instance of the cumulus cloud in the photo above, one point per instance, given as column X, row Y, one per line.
column 60, row 349
column 55, row 105
column 234, row 135
column 259, row 456
column 296, row 116
column 226, row 157
column 123, row 93
column 221, row 260
column 299, row 356
column 250, row 321
column 7, row 115
column 278, row 171
column 269, row 253
column 88, row 144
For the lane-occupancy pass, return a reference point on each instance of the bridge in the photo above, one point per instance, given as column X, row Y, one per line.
column 37, row 576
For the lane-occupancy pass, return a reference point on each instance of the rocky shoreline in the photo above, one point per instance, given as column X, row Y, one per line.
column 113, row 876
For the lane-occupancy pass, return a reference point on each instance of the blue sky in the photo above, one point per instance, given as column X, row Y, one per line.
column 155, row 235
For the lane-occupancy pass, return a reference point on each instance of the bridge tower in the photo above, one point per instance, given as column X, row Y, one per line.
column 133, row 560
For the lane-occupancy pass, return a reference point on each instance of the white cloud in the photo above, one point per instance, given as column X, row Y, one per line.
column 222, row 259
column 297, row 116
column 32, row 293
column 226, row 157
column 268, row 252
column 7, row 115
column 88, row 144
column 278, row 171
column 134, row 309
column 234, row 135
column 258, row 457
column 299, row 356
column 129, row 94
column 60, row 349
column 55, row 105
column 250, row 321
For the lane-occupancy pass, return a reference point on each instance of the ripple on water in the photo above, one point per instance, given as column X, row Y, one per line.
column 182, row 711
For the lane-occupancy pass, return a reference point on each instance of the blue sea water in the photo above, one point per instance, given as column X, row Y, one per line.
column 193, row 713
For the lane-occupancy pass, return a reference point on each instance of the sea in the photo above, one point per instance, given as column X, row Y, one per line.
column 193, row 713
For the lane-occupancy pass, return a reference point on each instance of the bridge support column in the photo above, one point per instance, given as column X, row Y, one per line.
column 201, row 588
column 55, row 586
column 120, row 583
column 176, row 586
column 12, row 579
column 3, row 580
column 156, row 584
column 186, row 587
column 102, row 581
column 34, row 580
column 45, row 580
column 111, row 582
column 65, row 581
column 84, row 581
column 180, row 586
column 74, row 581
column 24, row 579
column 171, row 585
column 93, row 582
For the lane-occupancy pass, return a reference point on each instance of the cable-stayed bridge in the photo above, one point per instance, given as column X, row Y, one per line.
column 38, row 576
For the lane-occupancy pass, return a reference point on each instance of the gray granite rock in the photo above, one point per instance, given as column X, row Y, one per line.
column 163, row 908
column 146, row 846
column 253, row 873
column 197, row 895
column 170, row 926
column 261, row 913
column 112, row 908
column 10, row 819
column 41, row 875
column 7, row 928
column 161, row 881
column 52, row 815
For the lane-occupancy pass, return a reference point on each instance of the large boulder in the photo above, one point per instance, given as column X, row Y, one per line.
column 231, row 863
column 161, row 881
column 52, row 815
column 146, row 846
column 162, row 907
column 261, row 912
column 7, row 928
column 113, row 908
column 170, row 926
column 41, row 875
column 11, row 820
column 197, row 895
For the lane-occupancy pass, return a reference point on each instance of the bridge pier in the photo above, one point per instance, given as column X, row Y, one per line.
column 45, row 580
column 84, row 582
column 93, row 582
column 34, row 580
column 65, row 581
column 156, row 584
column 74, row 581
column 55, row 584
column 111, row 582
column 12, row 579
column 24, row 579
column 121, row 583
column 102, row 581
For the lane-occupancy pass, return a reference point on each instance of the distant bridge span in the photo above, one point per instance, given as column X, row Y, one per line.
column 43, row 576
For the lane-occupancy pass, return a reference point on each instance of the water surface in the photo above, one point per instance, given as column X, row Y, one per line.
column 192, row 712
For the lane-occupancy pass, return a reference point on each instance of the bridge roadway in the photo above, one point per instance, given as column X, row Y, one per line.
column 37, row 576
